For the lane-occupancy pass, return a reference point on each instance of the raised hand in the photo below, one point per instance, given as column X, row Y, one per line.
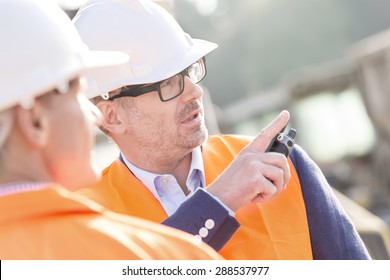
column 254, row 175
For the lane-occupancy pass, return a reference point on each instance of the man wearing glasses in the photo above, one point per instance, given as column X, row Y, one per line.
column 153, row 111
column 170, row 88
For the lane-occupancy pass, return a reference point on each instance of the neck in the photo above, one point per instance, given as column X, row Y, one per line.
column 17, row 163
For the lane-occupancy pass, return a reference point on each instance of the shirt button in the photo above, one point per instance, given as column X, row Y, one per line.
column 203, row 232
column 209, row 224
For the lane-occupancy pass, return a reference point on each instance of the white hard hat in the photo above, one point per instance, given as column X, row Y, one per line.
column 41, row 50
column 157, row 46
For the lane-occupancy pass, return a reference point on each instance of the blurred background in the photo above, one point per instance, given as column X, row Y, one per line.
column 327, row 62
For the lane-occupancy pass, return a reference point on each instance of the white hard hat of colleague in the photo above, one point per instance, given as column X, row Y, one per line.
column 32, row 64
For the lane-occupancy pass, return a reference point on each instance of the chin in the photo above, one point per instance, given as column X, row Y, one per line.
column 196, row 139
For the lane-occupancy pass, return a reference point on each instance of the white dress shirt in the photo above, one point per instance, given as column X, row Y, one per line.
column 165, row 187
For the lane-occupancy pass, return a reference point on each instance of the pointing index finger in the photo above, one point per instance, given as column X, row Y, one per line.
column 263, row 139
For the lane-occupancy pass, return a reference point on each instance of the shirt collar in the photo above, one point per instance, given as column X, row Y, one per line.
column 17, row 187
column 148, row 178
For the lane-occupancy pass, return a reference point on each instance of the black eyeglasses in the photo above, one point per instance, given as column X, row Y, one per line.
column 170, row 88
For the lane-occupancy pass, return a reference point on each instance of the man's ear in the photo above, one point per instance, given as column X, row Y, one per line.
column 111, row 121
column 33, row 124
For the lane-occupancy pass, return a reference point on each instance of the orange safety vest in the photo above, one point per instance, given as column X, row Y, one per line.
column 277, row 229
column 53, row 223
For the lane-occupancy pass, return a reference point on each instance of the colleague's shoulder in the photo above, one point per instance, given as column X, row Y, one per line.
column 47, row 228
column 168, row 242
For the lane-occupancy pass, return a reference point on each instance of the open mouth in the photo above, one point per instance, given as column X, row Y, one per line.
column 194, row 117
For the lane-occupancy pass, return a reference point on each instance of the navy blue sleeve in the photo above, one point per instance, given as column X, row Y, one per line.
column 332, row 234
column 204, row 217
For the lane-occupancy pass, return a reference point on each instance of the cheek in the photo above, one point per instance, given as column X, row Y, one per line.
column 149, row 126
column 158, row 118
column 149, row 111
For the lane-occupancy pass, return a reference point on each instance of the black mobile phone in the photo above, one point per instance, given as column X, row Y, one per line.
column 283, row 143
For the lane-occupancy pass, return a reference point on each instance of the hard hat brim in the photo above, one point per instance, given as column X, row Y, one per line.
column 99, row 83
column 199, row 49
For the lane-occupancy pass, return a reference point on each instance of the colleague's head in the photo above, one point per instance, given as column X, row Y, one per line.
column 44, row 118
column 154, row 99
